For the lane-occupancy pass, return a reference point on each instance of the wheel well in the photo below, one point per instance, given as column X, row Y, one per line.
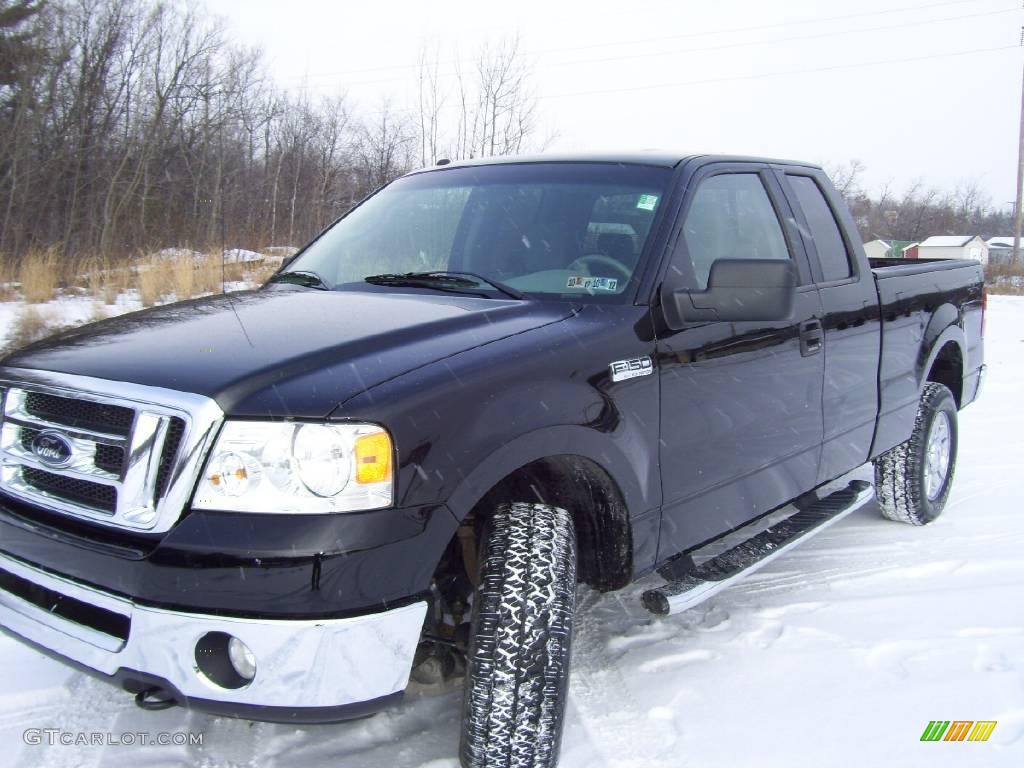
column 579, row 485
column 948, row 369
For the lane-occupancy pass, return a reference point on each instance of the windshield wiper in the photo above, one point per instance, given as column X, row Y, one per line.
column 300, row 277
column 445, row 281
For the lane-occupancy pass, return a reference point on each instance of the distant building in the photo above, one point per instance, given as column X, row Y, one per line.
column 898, row 248
column 876, row 249
column 887, row 249
column 953, row 247
column 1000, row 249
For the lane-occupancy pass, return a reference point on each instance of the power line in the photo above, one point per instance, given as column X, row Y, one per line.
column 762, row 27
column 643, row 41
column 816, row 36
column 725, row 46
column 785, row 73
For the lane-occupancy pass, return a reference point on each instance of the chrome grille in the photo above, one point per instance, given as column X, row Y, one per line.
column 102, row 498
column 121, row 454
column 71, row 412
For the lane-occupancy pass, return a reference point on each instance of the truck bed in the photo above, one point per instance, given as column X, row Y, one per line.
column 917, row 299
column 885, row 268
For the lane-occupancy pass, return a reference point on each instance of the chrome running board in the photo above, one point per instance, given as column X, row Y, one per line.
column 724, row 570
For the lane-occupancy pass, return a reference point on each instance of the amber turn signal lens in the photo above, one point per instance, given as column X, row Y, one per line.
column 373, row 458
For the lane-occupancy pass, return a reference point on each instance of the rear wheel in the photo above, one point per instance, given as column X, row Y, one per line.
column 913, row 479
column 517, row 670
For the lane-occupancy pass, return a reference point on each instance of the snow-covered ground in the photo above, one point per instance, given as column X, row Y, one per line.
column 835, row 655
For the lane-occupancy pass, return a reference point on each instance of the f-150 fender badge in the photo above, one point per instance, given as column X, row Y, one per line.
column 632, row 368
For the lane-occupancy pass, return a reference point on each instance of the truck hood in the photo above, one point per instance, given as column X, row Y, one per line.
column 284, row 351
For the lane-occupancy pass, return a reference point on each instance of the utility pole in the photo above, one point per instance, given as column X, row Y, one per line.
column 1017, row 212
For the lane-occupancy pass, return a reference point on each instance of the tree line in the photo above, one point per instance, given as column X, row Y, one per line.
column 919, row 211
column 128, row 125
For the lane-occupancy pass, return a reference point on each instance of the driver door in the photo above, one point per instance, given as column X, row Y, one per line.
column 741, row 415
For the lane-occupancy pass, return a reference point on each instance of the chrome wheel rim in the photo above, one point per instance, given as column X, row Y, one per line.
column 937, row 455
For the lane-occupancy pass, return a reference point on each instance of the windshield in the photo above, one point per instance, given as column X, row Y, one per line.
column 552, row 229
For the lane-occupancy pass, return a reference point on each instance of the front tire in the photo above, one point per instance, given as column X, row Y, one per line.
column 913, row 479
column 517, row 670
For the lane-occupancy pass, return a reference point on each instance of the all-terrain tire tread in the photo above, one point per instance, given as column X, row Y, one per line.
column 898, row 471
column 518, row 664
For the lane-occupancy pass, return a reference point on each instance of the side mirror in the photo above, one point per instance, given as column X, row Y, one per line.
column 738, row 289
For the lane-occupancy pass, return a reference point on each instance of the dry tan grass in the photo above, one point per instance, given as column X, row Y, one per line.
column 208, row 272
column 103, row 281
column 7, row 278
column 1006, row 289
column 184, row 278
column 261, row 272
column 1005, row 279
column 1004, row 270
column 207, row 275
column 39, row 275
column 74, row 273
column 149, row 287
column 118, row 279
column 155, row 279
column 31, row 324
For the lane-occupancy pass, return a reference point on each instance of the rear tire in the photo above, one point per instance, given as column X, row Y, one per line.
column 517, row 669
column 912, row 480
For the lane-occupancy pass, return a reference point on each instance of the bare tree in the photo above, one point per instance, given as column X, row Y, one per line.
column 384, row 148
column 497, row 105
column 431, row 102
column 846, row 177
column 132, row 124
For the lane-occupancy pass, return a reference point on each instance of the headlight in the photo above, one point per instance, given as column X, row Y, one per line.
column 294, row 467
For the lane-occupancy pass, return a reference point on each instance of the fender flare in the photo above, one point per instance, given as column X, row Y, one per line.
column 942, row 329
column 552, row 441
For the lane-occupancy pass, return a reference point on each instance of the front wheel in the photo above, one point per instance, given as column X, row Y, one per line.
column 913, row 479
column 517, row 669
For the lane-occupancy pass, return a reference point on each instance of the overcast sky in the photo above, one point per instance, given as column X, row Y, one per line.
column 902, row 85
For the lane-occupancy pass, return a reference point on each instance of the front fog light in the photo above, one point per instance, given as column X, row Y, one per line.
column 242, row 659
column 225, row 661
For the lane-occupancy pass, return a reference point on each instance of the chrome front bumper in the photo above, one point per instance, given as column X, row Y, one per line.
column 300, row 664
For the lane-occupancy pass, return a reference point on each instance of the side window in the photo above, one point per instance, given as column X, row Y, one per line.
column 828, row 240
column 731, row 217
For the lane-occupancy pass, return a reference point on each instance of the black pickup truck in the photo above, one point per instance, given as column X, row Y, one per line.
column 486, row 383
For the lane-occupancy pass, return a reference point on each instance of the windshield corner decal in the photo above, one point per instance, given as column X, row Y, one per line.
column 647, row 202
column 631, row 369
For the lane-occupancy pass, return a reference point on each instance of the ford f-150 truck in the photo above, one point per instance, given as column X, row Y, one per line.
column 487, row 383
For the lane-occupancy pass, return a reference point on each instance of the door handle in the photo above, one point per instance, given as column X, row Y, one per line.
column 812, row 337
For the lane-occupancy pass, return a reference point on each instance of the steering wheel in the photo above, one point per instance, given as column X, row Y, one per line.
column 599, row 259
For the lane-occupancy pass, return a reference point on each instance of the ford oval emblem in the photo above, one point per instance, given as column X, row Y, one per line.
column 52, row 449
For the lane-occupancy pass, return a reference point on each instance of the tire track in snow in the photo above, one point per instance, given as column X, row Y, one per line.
column 622, row 732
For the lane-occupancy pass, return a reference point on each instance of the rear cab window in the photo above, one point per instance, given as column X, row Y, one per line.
column 822, row 230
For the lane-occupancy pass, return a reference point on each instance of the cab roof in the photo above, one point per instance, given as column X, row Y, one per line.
column 656, row 158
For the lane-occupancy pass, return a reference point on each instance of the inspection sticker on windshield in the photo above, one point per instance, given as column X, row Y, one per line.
column 647, row 202
column 593, row 283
